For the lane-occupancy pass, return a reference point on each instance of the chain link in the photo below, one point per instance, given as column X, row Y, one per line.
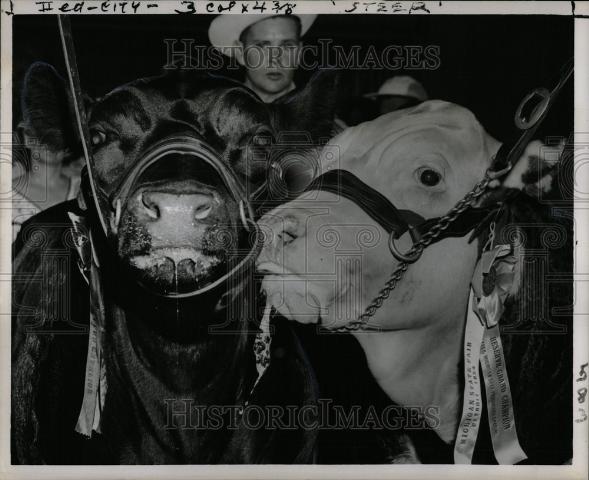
column 417, row 249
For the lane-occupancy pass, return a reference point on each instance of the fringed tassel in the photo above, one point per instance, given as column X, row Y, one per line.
column 262, row 345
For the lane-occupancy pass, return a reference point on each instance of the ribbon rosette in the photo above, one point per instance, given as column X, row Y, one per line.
column 492, row 280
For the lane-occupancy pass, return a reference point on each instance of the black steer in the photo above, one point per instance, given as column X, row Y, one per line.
column 178, row 228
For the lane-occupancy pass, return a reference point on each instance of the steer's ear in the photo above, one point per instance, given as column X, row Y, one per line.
column 310, row 110
column 534, row 171
column 46, row 109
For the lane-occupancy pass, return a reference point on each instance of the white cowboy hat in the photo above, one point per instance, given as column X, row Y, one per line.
column 402, row 86
column 225, row 30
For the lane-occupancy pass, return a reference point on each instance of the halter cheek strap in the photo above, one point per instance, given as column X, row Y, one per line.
column 394, row 221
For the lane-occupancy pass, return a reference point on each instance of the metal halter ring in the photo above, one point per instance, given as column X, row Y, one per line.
column 406, row 257
column 520, row 120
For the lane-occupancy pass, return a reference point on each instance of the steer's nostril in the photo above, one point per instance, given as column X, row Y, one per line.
column 174, row 208
column 150, row 206
column 285, row 237
column 202, row 210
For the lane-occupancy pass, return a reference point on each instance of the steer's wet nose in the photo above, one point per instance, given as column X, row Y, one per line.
column 174, row 218
column 182, row 207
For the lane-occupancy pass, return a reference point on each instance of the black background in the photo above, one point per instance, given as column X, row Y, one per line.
column 488, row 63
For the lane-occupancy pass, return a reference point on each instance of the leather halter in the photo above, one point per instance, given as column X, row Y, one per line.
column 393, row 220
column 396, row 221
column 108, row 207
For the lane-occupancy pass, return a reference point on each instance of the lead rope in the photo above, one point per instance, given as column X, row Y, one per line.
column 67, row 42
column 361, row 323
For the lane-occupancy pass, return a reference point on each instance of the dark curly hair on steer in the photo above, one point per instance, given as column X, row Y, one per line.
column 165, row 359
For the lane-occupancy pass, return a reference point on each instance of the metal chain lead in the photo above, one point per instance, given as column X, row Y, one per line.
column 417, row 249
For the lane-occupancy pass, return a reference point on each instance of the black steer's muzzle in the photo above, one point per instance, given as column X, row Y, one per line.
column 198, row 160
column 190, row 150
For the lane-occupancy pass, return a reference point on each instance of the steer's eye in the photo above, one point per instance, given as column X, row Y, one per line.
column 97, row 137
column 429, row 177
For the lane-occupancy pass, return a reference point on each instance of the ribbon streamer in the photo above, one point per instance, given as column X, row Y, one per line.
column 491, row 283
column 95, row 385
column 262, row 345
column 472, row 405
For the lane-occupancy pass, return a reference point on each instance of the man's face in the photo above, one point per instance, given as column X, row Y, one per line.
column 271, row 54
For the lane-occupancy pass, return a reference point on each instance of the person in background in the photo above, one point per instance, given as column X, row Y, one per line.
column 41, row 178
column 267, row 46
column 398, row 92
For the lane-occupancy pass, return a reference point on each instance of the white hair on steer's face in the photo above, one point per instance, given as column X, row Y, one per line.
column 326, row 258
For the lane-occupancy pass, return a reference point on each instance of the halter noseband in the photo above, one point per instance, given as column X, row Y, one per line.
column 394, row 221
